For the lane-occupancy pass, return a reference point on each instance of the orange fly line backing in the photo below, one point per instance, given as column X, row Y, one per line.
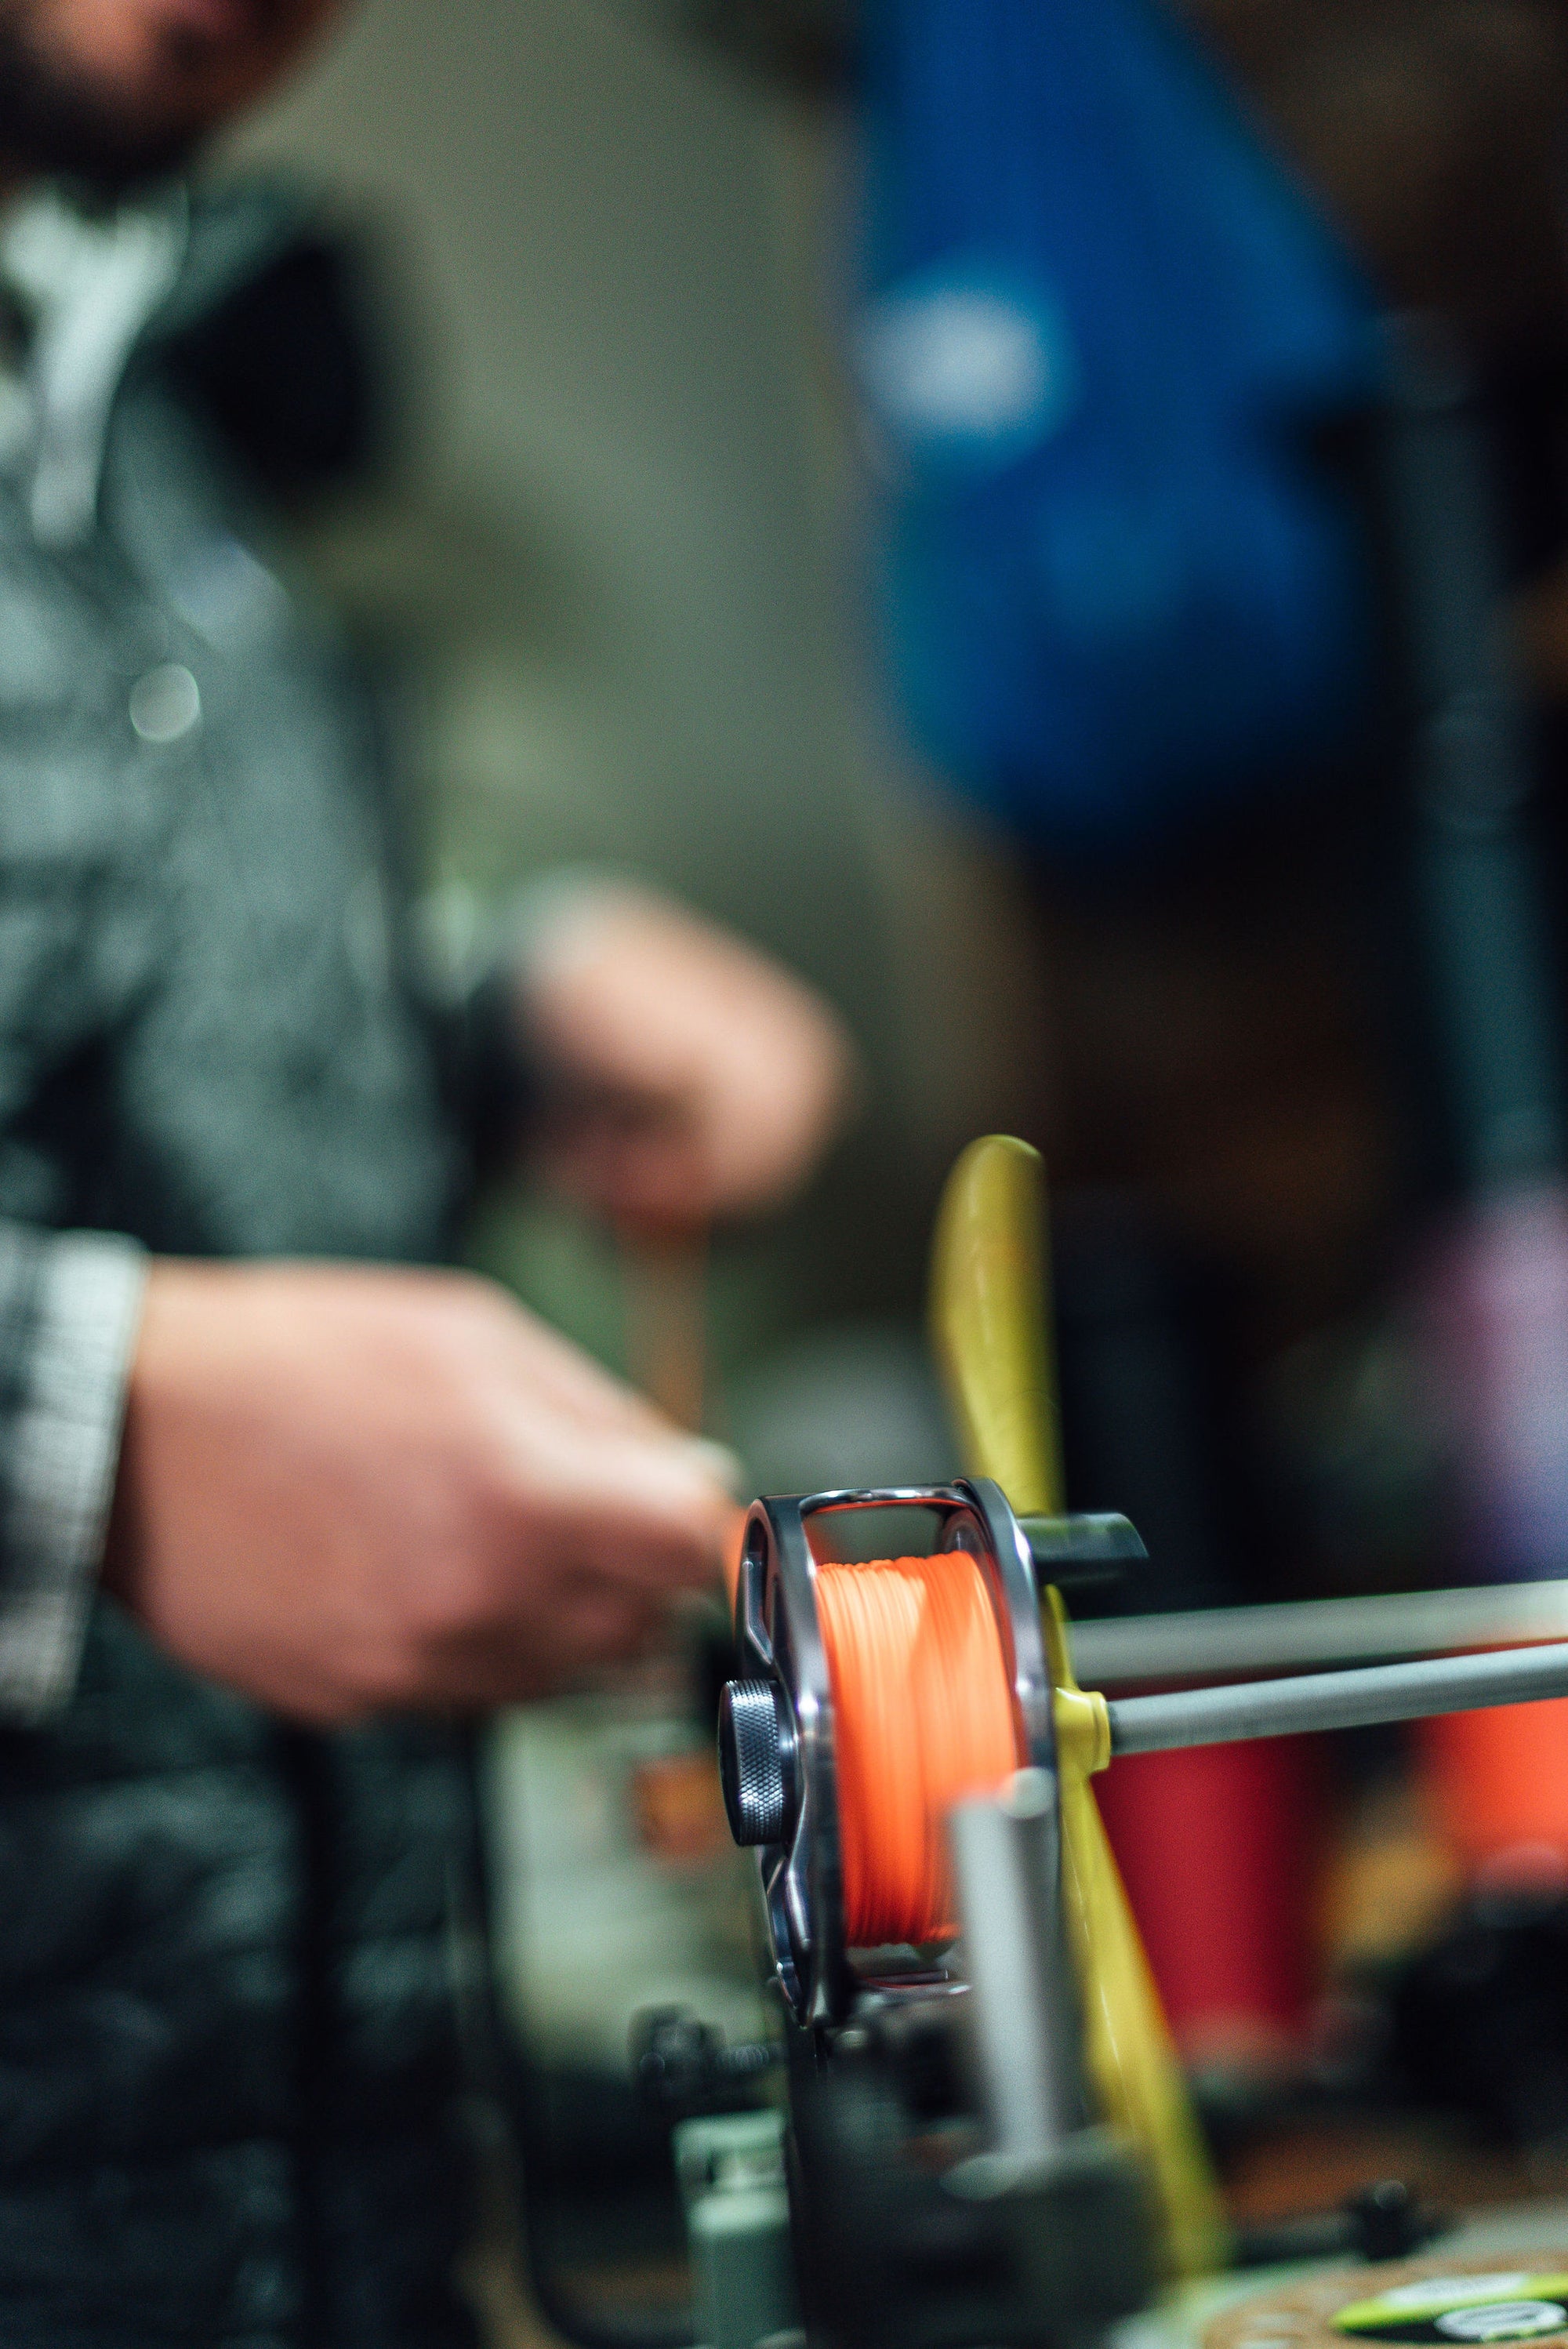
column 923, row 1718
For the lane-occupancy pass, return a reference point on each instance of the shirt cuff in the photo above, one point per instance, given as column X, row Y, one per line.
column 72, row 1305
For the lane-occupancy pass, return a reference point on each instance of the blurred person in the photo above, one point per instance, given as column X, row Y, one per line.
column 279, row 1503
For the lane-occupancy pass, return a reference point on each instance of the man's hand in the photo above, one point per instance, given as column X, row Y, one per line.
column 347, row 1490
column 687, row 1077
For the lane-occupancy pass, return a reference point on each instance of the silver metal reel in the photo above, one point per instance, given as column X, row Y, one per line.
column 776, row 1719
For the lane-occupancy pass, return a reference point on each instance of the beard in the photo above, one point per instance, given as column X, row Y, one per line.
column 54, row 126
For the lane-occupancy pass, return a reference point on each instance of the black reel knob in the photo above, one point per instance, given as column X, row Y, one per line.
column 757, row 1760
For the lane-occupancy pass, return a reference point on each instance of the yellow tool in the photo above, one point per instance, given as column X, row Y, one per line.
column 989, row 1317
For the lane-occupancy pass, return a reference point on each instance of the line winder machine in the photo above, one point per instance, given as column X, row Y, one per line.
column 987, row 2141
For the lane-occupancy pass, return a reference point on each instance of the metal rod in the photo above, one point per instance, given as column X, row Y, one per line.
column 1006, row 1862
column 1315, row 1631
column 1213, row 1716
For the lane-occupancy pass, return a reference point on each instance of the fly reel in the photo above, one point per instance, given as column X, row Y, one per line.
column 813, row 1733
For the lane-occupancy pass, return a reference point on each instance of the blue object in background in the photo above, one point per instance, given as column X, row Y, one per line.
column 1100, row 325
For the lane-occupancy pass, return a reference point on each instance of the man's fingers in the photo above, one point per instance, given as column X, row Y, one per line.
column 737, row 1141
column 688, row 1073
column 653, row 1519
column 593, row 1622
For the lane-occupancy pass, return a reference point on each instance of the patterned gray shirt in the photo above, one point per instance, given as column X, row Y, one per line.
column 208, row 1043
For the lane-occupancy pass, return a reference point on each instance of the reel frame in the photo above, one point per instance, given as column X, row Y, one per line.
column 779, row 1635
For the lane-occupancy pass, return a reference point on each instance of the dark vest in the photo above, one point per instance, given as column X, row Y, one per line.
column 232, row 1955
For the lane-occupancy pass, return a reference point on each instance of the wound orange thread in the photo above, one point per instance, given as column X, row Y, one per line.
column 922, row 1717
column 734, row 1550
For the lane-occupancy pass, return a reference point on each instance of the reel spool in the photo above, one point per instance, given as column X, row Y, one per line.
column 845, row 1667
column 783, row 1749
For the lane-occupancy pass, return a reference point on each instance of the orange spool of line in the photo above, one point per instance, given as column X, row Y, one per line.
column 922, row 1717
column 733, row 1543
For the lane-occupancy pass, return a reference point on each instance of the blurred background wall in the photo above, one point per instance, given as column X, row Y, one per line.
column 621, row 549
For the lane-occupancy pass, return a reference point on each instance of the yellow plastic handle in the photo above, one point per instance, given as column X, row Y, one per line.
column 989, row 1318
